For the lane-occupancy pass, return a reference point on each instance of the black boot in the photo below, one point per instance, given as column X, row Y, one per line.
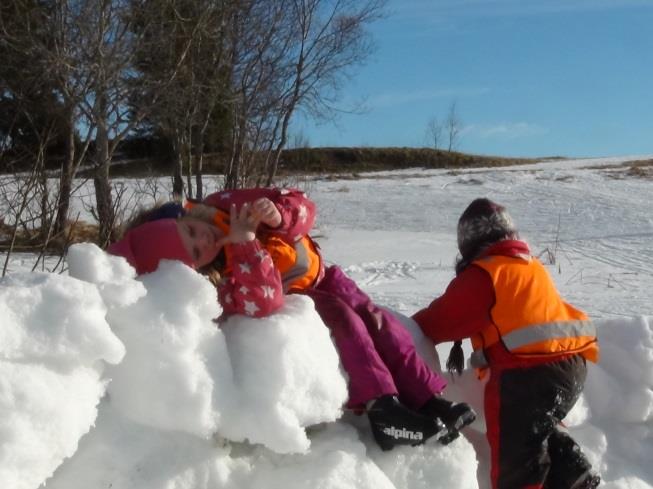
column 394, row 424
column 454, row 415
column 569, row 466
column 588, row 481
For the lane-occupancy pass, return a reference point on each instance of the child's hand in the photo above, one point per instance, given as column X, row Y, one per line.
column 243, row 224
column 266, row 212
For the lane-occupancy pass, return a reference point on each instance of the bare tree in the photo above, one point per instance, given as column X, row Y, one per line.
column 195, row 67
column 26, row 204
column 60, row 58
column 190, row 108
column 256, row 46
column 34, row 43
column 434, row 132
column 332, row 39
column 111, row 32
column 17, row 196
column 285, row 55
column 453, row 126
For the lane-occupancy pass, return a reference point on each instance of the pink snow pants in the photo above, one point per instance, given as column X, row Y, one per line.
column 376, row 350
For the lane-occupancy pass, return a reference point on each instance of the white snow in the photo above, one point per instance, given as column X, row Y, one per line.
column 108, row 380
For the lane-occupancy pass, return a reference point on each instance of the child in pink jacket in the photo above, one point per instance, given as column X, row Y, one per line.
column 257, row 242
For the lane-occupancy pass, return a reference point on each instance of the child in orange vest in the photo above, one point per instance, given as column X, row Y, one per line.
column 533, row 343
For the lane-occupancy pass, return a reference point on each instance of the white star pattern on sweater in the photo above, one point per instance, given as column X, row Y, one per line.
column 268, row 292
column 284, row 191
column 303, row 214
column 245, row 267
column 225, row 195
column 243, row 290
column 228, row 299
column 250, row 307
column 261, row 255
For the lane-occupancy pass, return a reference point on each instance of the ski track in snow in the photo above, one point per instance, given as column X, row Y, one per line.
column 376, row 273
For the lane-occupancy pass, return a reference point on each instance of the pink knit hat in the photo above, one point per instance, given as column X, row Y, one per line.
column 146, row 245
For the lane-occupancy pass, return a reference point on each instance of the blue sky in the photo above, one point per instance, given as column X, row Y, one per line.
column 529, row 78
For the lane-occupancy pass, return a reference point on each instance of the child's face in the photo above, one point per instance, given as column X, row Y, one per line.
column 203, row 241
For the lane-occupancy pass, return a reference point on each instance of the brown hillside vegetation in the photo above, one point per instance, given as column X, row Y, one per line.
column 302, row 161
column 339, row 160
column 344, row 160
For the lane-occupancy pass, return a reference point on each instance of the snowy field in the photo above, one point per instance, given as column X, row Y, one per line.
column 107, row 381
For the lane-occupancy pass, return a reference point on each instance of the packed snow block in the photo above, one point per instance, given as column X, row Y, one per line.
column 431, row 465
column 165, row 380
column 288, row 376
column 43, row 414
column 261, row 380
column 56, row 321
column 112, row 275
column 122, row 454
column 337, row 459
column 617, row 402
column 54, row 342
column 625, row 370
column 165, row 321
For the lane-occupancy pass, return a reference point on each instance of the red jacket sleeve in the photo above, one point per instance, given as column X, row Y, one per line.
column 462, row 311
column 296, row 209
column 253, row 287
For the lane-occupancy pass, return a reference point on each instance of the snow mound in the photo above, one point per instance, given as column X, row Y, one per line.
column 54, row 341
column 108, row 380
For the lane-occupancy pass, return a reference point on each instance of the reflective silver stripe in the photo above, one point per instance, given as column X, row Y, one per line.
column 478, row 360
column 536, row 333
column 299, row 268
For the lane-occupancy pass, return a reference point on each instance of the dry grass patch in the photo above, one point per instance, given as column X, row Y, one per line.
column 36, row 240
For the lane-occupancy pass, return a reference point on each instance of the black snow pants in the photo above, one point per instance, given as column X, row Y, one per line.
column 523, row 410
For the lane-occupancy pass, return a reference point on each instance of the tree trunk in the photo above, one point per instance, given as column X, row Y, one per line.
column 45, row 212
column 273, row 164
column 199, row 164
column 189, row 170
column 232, row 175
column 231, row 178
column 178, row 174
column 104, row 202
column 66, row 180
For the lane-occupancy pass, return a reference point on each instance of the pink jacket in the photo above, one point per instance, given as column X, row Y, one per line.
column 253, row 285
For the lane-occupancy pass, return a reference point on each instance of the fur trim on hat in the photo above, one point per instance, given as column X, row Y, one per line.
column 483, row 223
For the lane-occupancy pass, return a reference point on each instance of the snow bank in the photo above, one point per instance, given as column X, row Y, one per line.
column 284, row 368
column 287, row 374
column 614, row 423
column 53, row 341
column 128, row 383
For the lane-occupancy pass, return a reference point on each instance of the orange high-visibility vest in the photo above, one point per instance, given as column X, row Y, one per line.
column 529, row 317
column 300, row 264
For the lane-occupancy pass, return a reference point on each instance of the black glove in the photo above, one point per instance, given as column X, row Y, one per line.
column 456, row 360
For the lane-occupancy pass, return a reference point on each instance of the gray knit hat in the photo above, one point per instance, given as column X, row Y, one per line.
column 483, row 223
